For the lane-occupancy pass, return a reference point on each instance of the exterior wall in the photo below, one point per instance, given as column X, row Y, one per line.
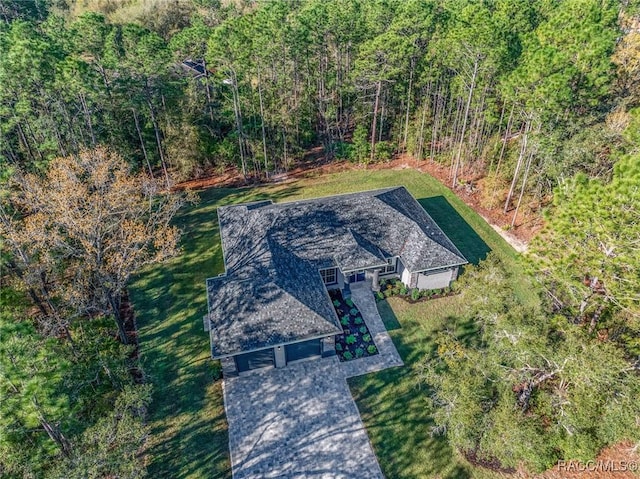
column 280, row 357
column 437, row 280
column 405, row 275
column 454, row 273
column 328, row 346
column 229, row 368
column 340, row 283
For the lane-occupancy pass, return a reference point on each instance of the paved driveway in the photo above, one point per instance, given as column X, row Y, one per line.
column 301, row 421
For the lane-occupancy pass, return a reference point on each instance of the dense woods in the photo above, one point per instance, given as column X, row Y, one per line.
column 105, row 105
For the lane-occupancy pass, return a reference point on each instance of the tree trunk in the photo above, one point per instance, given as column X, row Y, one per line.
column 374, row 123
column 144, row 149
column 504, row 140
column 406, row 116
column 87, row 117
column 524, row 183
column 421, row 141
column 464, row 121
column 25, row 142
column 434, row 125
column 523, row 149
column 238, row 116
column 208, row 89
column 114, row 302
column 264, row 136
column 156, row 130
column 382, row 112
column 53, row 430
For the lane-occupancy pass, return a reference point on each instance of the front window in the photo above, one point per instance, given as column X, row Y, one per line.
column 329, row 276
column 391, row 266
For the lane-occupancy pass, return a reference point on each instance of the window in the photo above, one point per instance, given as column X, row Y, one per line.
column 391, row 266
column 329, row 276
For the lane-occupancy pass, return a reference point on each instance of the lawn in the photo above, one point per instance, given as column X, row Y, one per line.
column 393, row 402
column 188, row 427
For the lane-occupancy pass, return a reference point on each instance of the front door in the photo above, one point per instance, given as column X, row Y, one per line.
column 356, row 277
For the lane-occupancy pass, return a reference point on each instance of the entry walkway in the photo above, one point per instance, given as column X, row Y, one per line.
column 301, row 421
column 387, row 356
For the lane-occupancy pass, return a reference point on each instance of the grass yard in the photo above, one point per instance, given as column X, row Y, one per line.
column 392, row 402
column 188, row 426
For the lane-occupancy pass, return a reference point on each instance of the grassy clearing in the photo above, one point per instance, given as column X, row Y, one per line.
column 189, row 431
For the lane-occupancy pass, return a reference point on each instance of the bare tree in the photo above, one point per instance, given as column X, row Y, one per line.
column 94, row 224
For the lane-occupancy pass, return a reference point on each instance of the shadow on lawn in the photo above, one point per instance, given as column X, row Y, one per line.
column 188, row 425
column 387, row 410
column 456, row 228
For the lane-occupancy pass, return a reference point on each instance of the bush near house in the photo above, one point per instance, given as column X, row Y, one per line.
column 394, row 287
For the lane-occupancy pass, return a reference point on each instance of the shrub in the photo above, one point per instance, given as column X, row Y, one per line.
column 354, row 311
column 366, row 338
column 342, row 150
column 359, row 352
column 358, row 320
column 379, row 296
column 345, row 321
column 371, row 349
column 388, row 292
column 415, row 294
column 347, row 355
column 336, row 303
column 446, row 290
column 363, row 329
column 349, row 302
column 360, row 146
column 437, row 291
column 351, row 339
column 384, row 150
column 403, row 290
column 338, row 347
column 217, row 370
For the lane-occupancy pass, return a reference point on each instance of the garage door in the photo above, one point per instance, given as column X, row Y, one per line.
column 303, row 350
column 255, row 360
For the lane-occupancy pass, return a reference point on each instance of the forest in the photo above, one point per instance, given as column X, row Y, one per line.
column 106, row 105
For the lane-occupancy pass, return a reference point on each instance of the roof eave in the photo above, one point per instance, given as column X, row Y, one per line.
column 261, row 348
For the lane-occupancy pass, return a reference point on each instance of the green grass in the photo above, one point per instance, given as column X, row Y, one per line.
column 189, row 431
column 393, row 402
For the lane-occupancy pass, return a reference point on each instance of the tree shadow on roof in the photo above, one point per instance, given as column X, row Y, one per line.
column 470, row 244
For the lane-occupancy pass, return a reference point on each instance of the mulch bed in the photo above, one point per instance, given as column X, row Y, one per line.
column 356, row 340
column 394, row 287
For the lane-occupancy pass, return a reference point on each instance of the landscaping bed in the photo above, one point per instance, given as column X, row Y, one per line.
column 395, row 287
column 356, row 341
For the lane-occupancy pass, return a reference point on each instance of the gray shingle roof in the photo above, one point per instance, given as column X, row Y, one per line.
column 272, row 292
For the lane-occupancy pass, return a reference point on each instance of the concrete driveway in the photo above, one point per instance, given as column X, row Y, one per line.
column 301, row 421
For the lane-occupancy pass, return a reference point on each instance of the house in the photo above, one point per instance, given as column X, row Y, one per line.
column 272, row 307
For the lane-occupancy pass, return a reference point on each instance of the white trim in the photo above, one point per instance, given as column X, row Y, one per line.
column 443, row 268
column 335, row 273
column 365, row 268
